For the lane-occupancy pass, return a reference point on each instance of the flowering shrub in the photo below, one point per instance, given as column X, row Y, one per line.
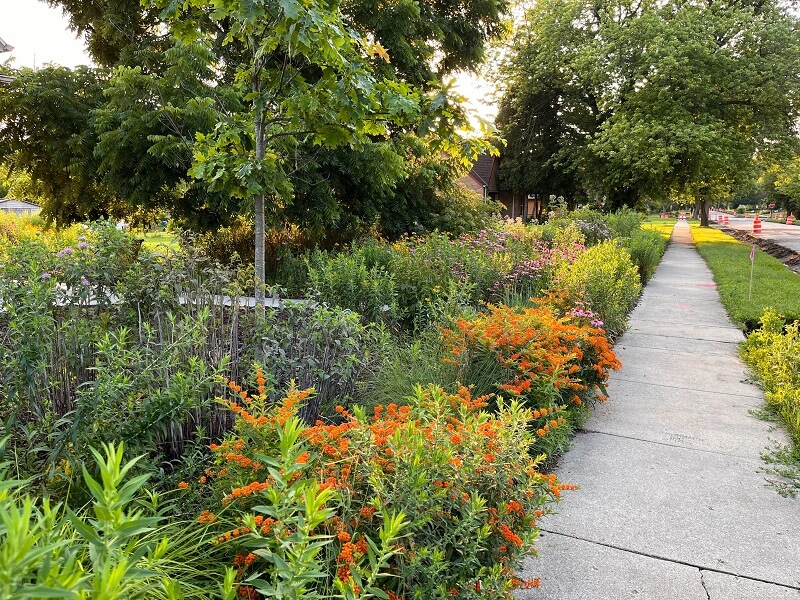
column 552, row 363
column 773, row 352
column 439, row 494
column 606, row 281
column 491, row 265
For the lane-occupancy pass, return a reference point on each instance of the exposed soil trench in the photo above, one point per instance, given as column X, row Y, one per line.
column 788, row 257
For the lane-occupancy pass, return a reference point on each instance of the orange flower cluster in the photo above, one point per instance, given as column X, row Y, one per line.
column 509, row 535
column 246, row 490
column 266, row 524
column 550, row 426
column 227, row 537
column 294, row 398
column 525, row 584
column 246, row 416
column 349, row 556
column 244, row 560
column 545, row 352
column 247, row 591
column 207, row 517
column 442, row 441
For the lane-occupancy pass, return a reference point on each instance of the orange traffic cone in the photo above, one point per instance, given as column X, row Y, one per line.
column 790, row 219
column 757, row 225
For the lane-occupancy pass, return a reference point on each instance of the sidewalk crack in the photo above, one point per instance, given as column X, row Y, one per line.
column 670, row 560
column 703, row 583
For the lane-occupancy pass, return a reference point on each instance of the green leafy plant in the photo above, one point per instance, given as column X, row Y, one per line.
column 439, row 458
column 606, row 281
column 345, row 280
column 624, row 223
column 772, row 352
column 110, row 550
column 646, row 248
column 316, row 346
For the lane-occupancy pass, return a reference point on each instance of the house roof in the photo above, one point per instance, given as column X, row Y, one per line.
column 483, row 167
column 12, row 204
column 6, row 79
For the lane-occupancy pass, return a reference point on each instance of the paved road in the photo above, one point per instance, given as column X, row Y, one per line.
column 673, row 503
column 787, row 236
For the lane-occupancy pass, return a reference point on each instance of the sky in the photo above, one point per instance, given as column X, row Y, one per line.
column 39, row 35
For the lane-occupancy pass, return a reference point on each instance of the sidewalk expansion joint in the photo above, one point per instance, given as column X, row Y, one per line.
column 662, row 322
column 656, row 442
column 680, row 337
column 682, row 351
column 688, row 389
column 671, row 560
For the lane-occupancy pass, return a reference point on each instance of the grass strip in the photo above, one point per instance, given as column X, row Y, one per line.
column 774, row 285
column 662, row 226
column 160, row 238
column 771, row 352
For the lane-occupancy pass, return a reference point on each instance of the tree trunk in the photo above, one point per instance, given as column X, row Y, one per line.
column 633, row 197
column 704, row 212
column 701, row 207
column 260, row 266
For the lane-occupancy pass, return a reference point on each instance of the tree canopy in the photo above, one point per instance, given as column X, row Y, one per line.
column 175, row 71
column 616, row 98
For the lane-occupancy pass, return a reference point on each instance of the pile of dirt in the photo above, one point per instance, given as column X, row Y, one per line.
column 788, row 257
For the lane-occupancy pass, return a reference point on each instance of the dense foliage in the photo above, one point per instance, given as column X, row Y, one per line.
column 614, row 100
column 306, row 449
column 351, row 138
column 772, row 352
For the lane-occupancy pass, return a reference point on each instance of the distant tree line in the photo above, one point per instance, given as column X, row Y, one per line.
column 610, row 101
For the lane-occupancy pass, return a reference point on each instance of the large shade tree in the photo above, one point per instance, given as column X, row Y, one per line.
column 165, row 88
column 655, row 98
column 46, row 131
column 304, row 78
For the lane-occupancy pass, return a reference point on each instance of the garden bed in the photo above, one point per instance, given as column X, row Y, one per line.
column 399, row 424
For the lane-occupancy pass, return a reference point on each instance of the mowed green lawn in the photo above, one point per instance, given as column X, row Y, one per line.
column 155, row 239
column 774, row 285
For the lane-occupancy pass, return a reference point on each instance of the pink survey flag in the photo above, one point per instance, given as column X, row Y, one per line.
column 753, row 253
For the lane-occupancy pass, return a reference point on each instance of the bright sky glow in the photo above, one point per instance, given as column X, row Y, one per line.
column 39, row 35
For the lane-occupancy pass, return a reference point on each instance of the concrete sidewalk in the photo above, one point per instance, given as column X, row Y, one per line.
column 672, row 503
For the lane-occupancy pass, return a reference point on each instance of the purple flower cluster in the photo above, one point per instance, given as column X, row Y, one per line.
column 591, row 316
column 595, row 231
column 488, row 242
column 572, row 251
column 523, row 273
